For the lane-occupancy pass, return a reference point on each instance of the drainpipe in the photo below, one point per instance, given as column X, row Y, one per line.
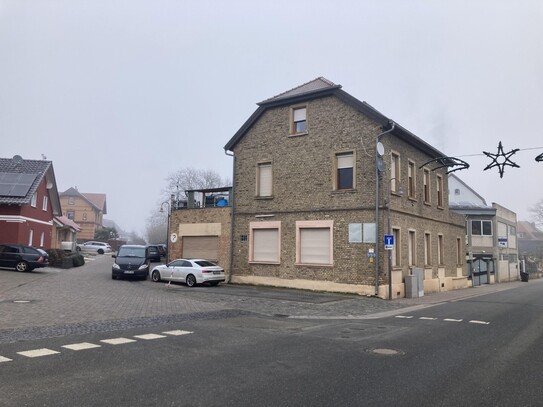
column 231, row 261
column 377, row 173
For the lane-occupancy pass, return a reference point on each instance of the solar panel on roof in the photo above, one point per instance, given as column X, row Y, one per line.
column 15, row 184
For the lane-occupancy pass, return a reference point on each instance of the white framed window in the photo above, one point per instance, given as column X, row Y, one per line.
column 44, row 204
column 265, row 242
column 426, row 185
column 439, row 187
column 30, row 237
column 411, row 180
column 70, row 215
column 344, row 174
column 314, row 242
column 298, row 122
column 42, row 239
column 34, row 200
column 427, row 249
column 71, row 200
column 394, row 171
column 412, row 248
column 396, row 252
column 481, row 228
column 264, row 178
column 440, row 250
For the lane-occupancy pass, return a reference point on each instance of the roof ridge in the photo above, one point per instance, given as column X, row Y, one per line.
column 281, row 95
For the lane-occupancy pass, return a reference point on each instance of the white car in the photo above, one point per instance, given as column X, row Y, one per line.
column 190, row 272
column 94, row 247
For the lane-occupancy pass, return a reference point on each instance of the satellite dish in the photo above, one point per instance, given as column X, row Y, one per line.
column 17, row 159
column 380, row 149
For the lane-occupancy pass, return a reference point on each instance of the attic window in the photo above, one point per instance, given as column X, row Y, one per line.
column 299, row 120
column 71, row 200
column 457, row 191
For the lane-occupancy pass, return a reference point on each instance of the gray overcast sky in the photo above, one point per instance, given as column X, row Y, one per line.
column 121, row 93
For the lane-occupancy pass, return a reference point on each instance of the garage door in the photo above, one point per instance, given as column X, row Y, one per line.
column 201, row 247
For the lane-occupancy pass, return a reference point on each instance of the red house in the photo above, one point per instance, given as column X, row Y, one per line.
column 29, row 201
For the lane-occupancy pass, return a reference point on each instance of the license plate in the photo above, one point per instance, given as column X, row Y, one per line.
column 129, row 272
column 216, row 272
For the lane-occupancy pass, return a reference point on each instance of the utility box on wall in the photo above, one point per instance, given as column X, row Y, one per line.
column 414, row 283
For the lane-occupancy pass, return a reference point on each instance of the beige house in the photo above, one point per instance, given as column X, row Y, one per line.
column 86, row 209
column 319, row 179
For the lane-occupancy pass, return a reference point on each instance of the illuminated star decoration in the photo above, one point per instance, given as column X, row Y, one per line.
column 501, row 159
column 539, row 158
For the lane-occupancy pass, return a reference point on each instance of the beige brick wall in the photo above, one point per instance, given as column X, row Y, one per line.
column 183, row 217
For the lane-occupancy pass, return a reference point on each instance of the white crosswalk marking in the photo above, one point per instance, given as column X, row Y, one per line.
column 38, row 352
column 428, row 318
column 452, row 320
column 81, row 346
column 404, row 316
column 474, row 321
column 117, row 341
column 149, row 336
column 3, row 359
column 177, row 332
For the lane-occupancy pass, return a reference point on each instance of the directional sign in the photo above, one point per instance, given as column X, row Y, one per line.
column 389, row 242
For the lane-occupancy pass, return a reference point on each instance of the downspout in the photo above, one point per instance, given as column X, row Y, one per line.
column 377, row 243
column 231, row 261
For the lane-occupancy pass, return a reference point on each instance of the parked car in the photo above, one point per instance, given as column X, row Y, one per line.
column 190, row 272
column 154, row 252
column 94, row 247
column 131, row 261
column 162, row 249
column 22, row 258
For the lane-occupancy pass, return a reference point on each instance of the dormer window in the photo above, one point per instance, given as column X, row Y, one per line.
column 299, row 120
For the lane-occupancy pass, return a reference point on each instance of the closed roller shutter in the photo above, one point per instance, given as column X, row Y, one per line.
column 201, row 247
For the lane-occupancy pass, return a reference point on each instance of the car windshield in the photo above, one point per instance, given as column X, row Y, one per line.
column 205, row 263
column 131, row 252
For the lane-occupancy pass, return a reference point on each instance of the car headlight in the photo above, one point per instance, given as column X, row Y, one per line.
column 143, row 266
column 116, row 266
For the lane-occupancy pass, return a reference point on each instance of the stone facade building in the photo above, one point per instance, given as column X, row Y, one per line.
column 309, row 186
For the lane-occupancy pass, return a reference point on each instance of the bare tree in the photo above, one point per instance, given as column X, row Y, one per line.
column 537, row 212
column 156, row 226
column 190, row 178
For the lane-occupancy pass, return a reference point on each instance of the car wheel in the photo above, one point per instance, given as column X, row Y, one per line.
column 22, row 266
column 155, row 276
column 100, row 251
column 191, row 280
column 213, row 283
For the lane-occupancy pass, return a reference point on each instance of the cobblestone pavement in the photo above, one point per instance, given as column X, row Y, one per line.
column 53, row 302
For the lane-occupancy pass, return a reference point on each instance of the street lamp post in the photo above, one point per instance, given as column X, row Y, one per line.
column 169, row 203
column 400, row 193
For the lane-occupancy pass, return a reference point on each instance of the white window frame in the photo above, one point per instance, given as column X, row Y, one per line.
column 258, row 226
column 340, row 164
column 394, row 171
column 42, row 239
column 71, row 200
column 411, row 247
column 298, row 114
column 34, row 200
column 30, row 237
column 262, row 170
column 427, row 249
column 314, row 224
column 44, row 204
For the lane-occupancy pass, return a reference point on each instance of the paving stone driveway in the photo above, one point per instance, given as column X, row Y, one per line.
column 55, row 302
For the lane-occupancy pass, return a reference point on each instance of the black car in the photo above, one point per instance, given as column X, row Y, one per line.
column 22, row 258
column 153, row 252
column 162, row 249
column 131, row 261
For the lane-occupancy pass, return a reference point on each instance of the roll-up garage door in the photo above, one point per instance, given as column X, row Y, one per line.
column 201, row 247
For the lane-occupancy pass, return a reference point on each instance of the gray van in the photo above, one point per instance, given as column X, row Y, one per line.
column 131, row 261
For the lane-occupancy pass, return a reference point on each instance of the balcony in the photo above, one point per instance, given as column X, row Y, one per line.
column 205, row 198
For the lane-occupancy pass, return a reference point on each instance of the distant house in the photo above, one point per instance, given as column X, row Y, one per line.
column 315, row 194
column 86, row 209
column 491, row 235
column 29, row 201
column 64, row 233
column 530, row 240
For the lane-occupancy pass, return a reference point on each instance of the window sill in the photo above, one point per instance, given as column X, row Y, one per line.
column 303, row 133
column 440, row 207
column 272, row 263
column 412, row 198
column 313, row 265
column 344, row 191
column 263, row 198
column 428, row 203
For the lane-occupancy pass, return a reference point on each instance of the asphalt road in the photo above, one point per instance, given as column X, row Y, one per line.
column 246, row 346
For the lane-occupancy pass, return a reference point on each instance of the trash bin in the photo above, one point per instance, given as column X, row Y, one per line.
column 524, row 276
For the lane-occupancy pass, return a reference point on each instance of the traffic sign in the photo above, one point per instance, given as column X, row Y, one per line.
column 389, row 242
